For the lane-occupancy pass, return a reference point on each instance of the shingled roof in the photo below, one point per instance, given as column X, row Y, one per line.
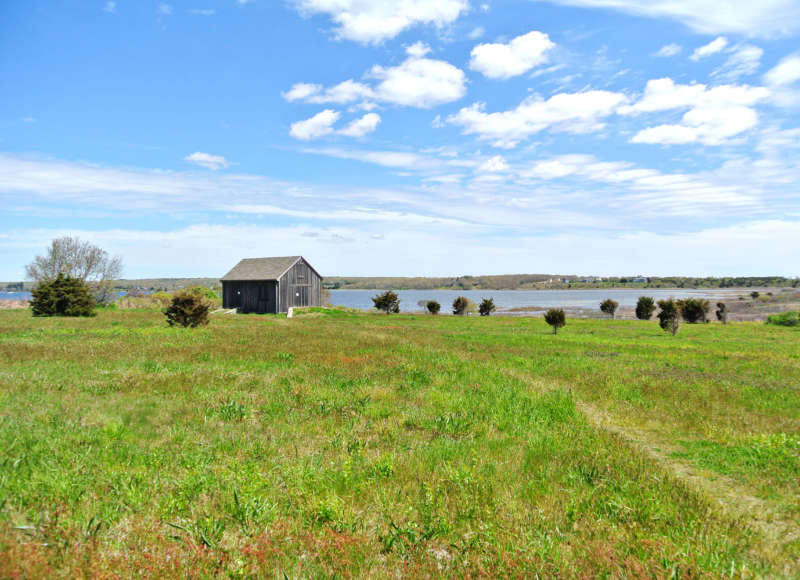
column 261, row 268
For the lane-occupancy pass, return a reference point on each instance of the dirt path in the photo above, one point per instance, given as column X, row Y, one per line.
column 734, row 500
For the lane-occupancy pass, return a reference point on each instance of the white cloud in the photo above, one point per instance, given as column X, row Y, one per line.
column 203, row 11
column 713, row 47
column 762, row 18
column 664, row 94
column 419, row 82
column 669, row 50
column 711, row 126
column 786, row 72
column 317, row 126
column 347, row 91
column 416, row 82
column 571, row 112
column 207, row 160
column 418, row 49
column 164, row 9
column 110, row 7
column 360, row 127
column 715, row 114
column 744, row 60
column 476, row 33
column 375, row 21
column 503, row 61
column 494, row 164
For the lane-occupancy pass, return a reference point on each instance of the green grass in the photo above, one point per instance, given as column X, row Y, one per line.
column 368, row 445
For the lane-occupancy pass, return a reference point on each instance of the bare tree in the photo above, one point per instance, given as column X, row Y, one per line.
column 78, row 259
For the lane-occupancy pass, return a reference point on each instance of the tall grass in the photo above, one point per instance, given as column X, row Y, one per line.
column 358, row 445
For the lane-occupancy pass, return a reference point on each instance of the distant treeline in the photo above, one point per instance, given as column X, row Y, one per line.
column 543, row 281
column 502, row 282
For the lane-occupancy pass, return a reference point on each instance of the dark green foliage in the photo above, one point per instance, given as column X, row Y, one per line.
column 486, row 307
column 188, row 309
column 62, row 296
column 669, row 316
column 754, row 294
column 433, row 307
column 556, row 318
column 388, row 302
column 609, row 306
column 460, row 305
column 645, row 307
column 791, row 318
column 694, row 310
column 722, row 312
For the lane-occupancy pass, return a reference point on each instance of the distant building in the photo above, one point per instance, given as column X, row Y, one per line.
column 640, row 279
column 271, row 285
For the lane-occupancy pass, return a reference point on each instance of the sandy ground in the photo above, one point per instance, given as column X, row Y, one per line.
column 11, row 304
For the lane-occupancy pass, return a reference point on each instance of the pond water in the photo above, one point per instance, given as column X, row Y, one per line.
column 507, row 299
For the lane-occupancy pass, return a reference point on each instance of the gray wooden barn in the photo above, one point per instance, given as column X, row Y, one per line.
column 271, row 285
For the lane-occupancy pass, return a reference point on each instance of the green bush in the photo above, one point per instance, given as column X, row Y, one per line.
column 62, row 296
column 722, row 312
column 609, row 306
column 188, row 309
column 387, row 301
column 669, row 316
column 486, row 307
column 460, row 305
column 433, row 306
column 645, row 307
column 556, row 318
column 694, row 310
column 205, row 292
column 791, row 318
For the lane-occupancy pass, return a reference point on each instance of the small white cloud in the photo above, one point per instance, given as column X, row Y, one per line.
column 668, row 50
column 375, row 21
column 571, row 112
column 317, row 126
column 437, row 122
column 496, row 164
column 360, row 127
column 419, row 82
column 345, row 92
column 476, row 33
column 713, row 47
column 28, row 119
column 743, row 61
column 503, row 61
column 213, row 162
column 786, row 72
column 203, row 11
column 418, row 49
column 164, row 9
column 110, row 7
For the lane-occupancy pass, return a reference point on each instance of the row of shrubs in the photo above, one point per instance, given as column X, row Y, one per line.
column 671, row 311
column 68, row 296
column 389, row 303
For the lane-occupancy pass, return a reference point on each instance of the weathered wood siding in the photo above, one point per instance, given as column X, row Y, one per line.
column 299, row 286
column 259, row 296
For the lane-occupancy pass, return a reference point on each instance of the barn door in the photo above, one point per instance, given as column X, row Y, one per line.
column 299, row 296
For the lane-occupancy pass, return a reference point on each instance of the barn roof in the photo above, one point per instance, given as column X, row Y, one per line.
column 262, row 268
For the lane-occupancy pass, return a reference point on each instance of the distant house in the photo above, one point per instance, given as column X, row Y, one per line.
column 271, row 285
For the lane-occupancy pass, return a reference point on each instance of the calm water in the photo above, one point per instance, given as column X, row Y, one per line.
column 503, row 299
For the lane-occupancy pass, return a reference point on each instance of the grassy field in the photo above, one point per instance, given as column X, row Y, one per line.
column 368, row 445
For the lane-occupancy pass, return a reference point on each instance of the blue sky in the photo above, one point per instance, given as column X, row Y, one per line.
column 425, row 137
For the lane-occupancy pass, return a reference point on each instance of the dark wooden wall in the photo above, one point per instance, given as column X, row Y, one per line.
column 260, row 297
column 299, row 286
